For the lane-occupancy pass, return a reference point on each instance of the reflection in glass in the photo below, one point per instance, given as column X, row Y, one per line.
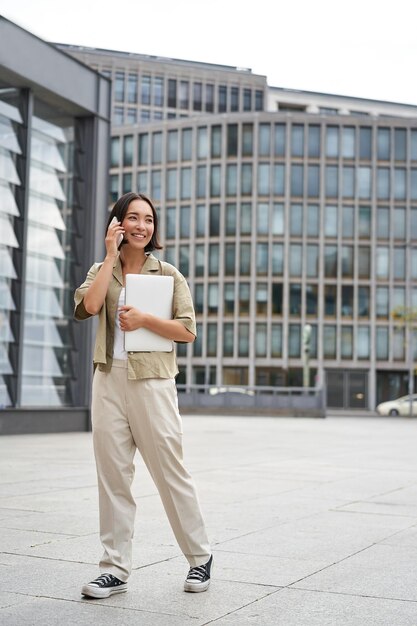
column 260, row 340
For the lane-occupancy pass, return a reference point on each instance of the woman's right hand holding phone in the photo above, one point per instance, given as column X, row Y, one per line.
column 114, row 237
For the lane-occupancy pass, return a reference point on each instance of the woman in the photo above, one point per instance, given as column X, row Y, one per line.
column 134, row 401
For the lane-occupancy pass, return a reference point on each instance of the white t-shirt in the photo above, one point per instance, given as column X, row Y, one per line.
column 119, row 351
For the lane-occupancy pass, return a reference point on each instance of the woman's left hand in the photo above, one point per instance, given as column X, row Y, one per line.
column 130, row 318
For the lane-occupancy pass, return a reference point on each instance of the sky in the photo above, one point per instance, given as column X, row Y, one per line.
column 361, row 48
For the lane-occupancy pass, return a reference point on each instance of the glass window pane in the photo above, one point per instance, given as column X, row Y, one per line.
column 276, row 299
column 246, row 181
column 277, row 259
column 382, row 350
column 260, row 340
column 296, row 260
column 330, row 221
column 382, row 262
column 332, row 141
column 277, row 219
column 172, row 145
column 297, row 174
column 312, row 261
column 365, row 143
column 332, row 181
column 243, row 340
column 202, row 143
column 314, row 141
column 276, row 340
column 264, row 139
column 330, row 261
column 313, row 182
column 348, row 139
column 279, row 140
column 186, row 144
column 247, row 139
column 245, row 259
column 213, row 259
column 294, row 340
column 296, row 220
column 400, row 144
column 382, row 302
column 263, row 179
column 297, row 140
column 244, row 298
column 383, row 144
column 346, row 341
column 230, row 218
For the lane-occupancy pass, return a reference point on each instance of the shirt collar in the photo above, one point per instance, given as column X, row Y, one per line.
column 151, row 265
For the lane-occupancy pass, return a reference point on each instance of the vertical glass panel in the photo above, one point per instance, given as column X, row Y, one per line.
column 413, row 148
column 213, row 259
column 276, row 299
column 400, row 144
column 261, row 299
column 245, row 259
column 184, row 94
column 145, row 89
column 348, row 139
column 245, row 218
column 314, row 141
column 247, row 99
column 229, row 298
column 214, row 220
column 202, row 142
column 246, row 180
column 347, row 261
column 185, row 183
column 364, row 262
column 262, row 218
column 364, row 182
column 244, row 298
column 200, row 220
column 297, row 140
column 279, row 140
column 209, row 98
column 143, row 149
column 294, row 340
column 132, row 88
column 347, row 301
column 264, row 147
column 213, row 299
column 259, row 100
column 170, row 222
column 382, row 349
column 383, row 144
column 243, row 340
column 279, row 180
column 348, row 222
column 184, row 264
column 201, row 181
column 297, row 175
column 313, row 220
column 382, row 223
column 398, row 347
column 365, row 142
column 382, row 262
column 399, row 183
column 296, row 260
column 185, row 216
column 232, row 139
column 330, row 221
column 247, row 139
column 231, row 180
column 413, row 228
column 172, row 153
column 329, row 342
column 186, row 144
column 156, row 147
column 348, row 189
column 260, row 340
column 313, row 181
column 262, row 259
column 114, row 187
column 115, row 152
column 346, row 342
column 398, row 299
column 228, row 340
column 230, row 259
column 413, row 184
column 312, row 268
column 127, row 184
column 363, row 301
column 263, row 179
column 277, row 219
column 119, row 87
column 211, row 339
column 172, row 93
column 234, row 99
column 332, row 141
column 296, row 220
column 277, row 259
column 381, row 300
column 276, row 340
column 200, row 260
column 383, row 183
column 330, row 300
column 230, row 218
column 197, row 96
column 332, row 181
column 399, row 223
column 215, row 181
column 199, row 298
column 399, row 263
column 330, row 261
column 295, row 299
column 311, row 295
column 158, row 91
column 222, row 99
column 128, row 150
column 171, row 187
column 364, row 225
column 216, row 141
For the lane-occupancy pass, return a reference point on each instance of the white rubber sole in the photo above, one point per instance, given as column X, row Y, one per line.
column 95, row 592
column 196, row 587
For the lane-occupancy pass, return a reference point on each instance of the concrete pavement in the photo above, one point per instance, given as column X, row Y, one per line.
column 313, row 522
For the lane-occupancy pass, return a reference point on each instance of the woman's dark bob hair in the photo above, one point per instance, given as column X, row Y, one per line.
column 119, row 212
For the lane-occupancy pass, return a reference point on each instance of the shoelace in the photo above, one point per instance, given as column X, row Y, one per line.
column 197, row 573
column 103, row 580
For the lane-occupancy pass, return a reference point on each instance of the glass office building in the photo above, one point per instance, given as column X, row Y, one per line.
column 52, row 179
column 281, row 208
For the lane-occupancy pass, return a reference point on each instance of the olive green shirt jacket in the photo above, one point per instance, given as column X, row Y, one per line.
column 140, row 364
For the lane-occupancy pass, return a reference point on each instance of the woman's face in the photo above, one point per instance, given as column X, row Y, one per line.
column 138, row 224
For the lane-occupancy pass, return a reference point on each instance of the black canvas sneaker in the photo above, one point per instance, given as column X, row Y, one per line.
column 198, row 578
column 104, row 586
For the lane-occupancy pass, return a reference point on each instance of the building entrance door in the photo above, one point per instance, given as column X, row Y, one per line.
column 347, row 389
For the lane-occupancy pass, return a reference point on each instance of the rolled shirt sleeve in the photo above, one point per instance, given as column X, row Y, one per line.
column 182, row 305
column 80, row 312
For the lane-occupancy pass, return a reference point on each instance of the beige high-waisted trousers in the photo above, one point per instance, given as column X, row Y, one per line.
column 141, row 414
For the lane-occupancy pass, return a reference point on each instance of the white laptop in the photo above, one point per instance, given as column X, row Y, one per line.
column 151, row 294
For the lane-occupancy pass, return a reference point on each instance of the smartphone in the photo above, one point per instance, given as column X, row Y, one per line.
column 120, row 237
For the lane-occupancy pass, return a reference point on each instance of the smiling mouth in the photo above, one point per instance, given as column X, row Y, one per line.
column 137, row 236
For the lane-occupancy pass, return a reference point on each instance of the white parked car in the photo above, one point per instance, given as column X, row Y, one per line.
column 401, row 406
